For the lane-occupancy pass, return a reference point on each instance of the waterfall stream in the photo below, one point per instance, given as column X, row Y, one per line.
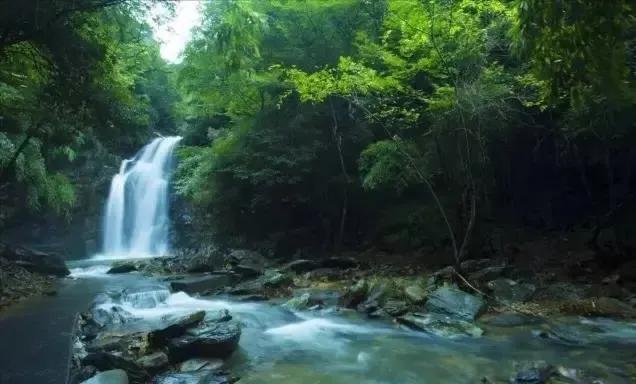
column 136, row 217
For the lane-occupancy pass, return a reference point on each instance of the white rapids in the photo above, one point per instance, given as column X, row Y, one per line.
column 136, row 217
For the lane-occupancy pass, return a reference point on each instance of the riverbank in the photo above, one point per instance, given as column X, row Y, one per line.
column 25, row 273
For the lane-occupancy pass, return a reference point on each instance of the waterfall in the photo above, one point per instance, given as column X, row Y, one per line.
column 136, row 217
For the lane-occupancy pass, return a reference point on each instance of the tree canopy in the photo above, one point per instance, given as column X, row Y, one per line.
column 330, row 124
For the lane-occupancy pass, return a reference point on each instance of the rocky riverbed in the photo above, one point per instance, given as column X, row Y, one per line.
column 213, row 317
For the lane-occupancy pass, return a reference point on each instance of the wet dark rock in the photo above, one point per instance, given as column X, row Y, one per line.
column 251, row 287
column 355, row 294
column 245, row 262
column 105, row 316
column 299, row 302
column 454, row 302
column 415, row 293
column 176, row 326
column 509, row 291
column 153, row 362
column 275, row 279
column 320, row 297
column 114, row 376
column 35, row 261
column 199, row 364
column 111, row 343
column 218, row 340
column 379, row 313
column 331, row 274
column 440, row 325
column 206, row 259
column 270, row 280
column 197, row 377
column 104, row 361
column 81, row 374
column 202, row 284
column 247, row 271
column 217, row 316
column 534, row 373
column 376, row 296
column 122, row 268
column 395, row 307
column 301, row 266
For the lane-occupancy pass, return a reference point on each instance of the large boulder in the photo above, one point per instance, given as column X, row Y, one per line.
column 114, row 376
column 105, row 316
column 216, row 340
column 122, row 268
column 35, row 261
column 441, row 325
column 375, row 298
column 176, row 326
column 454, row 302
column 245, row 262
column 270, row 280
column 355, row 294
column 195, row 377
column 202, row 284
column 415, row 293
column 299, row 302
column 206, row 259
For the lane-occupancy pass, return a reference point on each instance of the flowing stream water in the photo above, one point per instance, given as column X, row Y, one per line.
column 279, row 346
column 136, row 220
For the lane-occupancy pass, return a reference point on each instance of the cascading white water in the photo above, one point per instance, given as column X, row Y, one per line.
column 136, row 218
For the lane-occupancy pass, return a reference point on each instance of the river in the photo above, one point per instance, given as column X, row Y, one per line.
column 326, row 346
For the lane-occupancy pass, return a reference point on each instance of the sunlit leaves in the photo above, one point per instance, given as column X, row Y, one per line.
column 389, row 164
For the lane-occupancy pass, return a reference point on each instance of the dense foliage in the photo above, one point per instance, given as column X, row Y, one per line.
column 406, row 123
column 81, row 83
column 330, row 124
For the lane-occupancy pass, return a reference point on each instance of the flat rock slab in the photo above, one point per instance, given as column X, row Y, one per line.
column 454, row 302
column 176, row 326
column 115, row 376
column 441, row 325
column 217, row 340
column 201, row 284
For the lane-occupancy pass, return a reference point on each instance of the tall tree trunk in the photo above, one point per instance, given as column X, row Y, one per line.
column 337, row 137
